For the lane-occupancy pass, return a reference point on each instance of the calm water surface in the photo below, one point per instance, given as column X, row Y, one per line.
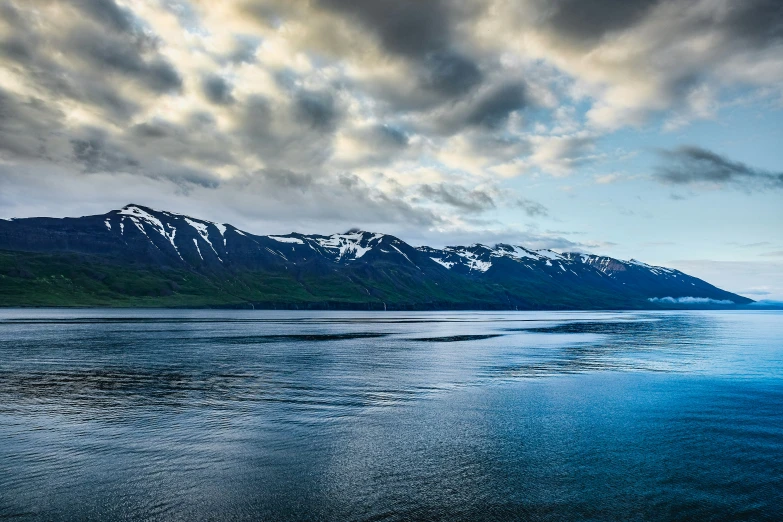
column 229, row 415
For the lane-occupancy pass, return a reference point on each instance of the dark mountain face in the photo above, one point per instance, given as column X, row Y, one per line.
column 138, row 256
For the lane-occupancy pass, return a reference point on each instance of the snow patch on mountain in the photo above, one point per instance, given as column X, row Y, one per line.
column 479, row 257
column 283, row 239
column 654, row 269
column 405, row 256
column 139, row 226
column 222, row 229
column 275, row 253
column 195, row 242
column 140, row 216
column 471, row 258
column 203, row 231
column 447, row 264
column 549, row 254
column 135, row 212
column 356, row 243
column 170, row 236
column 515, row 252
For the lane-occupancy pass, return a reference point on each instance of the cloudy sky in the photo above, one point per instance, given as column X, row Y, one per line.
column 650, row 129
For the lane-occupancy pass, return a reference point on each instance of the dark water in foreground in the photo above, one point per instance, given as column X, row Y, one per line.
column 228, row 415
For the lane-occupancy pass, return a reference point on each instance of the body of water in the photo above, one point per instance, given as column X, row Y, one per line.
column 242, row 415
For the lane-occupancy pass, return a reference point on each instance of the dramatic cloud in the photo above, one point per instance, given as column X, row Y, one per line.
column 689, row 165
column 439, row 116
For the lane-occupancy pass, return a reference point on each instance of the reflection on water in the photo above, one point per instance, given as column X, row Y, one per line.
column 202, row 415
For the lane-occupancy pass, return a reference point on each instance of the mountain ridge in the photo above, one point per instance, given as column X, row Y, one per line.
column 139, row 256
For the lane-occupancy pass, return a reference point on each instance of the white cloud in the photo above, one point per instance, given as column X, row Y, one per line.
column 690, row 300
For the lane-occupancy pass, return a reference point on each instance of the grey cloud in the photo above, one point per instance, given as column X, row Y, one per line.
column 197, row 140
column 114, row 41
column 287, row 179
column 126, row 56
column 475, row 200
column 34, row 129
column 501, row 147
column 449, row 73
column 18, row 48
column 99, row 154
column 758, row 22
column 323, row 198
column 479, row 200
column 30, row 56
column 689, row 165
column 154, row 150
column 96, row 156
column 161, row 76
column 244, row 49
column 298, row 139
column 382, row 142
column 10, row 12
column 532, row 208
column 493, row 108
column 405, row 27
column 422, row 32
column 755, row 21
column 152, row 130
column 217, row 89
column 317, row 109
column 377, row 145
column 186, row 178
column 485, row 112
column 590, row 21
column 389, row 136
column 257, row 114
column 100, row 95
column 109, row 14
column 26, row 125
column 84, row 87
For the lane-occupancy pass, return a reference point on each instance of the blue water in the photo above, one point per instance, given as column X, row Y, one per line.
column 240, row 415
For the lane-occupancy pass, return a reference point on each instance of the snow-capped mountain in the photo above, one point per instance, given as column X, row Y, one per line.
column 217, row 264
column 479, row 258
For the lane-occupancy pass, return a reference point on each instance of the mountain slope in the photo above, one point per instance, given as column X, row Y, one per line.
column 137, row 256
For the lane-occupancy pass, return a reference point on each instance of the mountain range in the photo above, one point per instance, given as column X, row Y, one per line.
column 137, row 256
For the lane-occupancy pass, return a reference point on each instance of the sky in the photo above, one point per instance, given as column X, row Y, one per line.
column 646, row 129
